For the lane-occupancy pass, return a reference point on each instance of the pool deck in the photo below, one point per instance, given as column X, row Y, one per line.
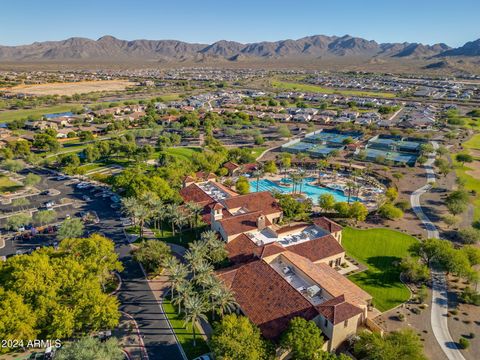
column 368, row 194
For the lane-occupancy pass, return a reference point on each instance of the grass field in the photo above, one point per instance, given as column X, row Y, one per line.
column 469, row 173
column 185, row 334
column 37, row 113
column 184, row 153
column 7, row 185
column 319, row 89
column 379, row 249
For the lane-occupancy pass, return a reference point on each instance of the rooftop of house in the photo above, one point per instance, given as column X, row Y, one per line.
column 310, row 241
column 337, row 310
column 265, row 297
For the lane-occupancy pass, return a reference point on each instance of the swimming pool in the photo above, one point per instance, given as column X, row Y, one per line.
column 312, row 191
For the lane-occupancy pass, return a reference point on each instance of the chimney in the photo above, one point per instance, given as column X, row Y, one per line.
column 216, row 213
column 261, row 222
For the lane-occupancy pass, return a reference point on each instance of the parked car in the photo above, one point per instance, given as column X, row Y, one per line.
column 204, row 357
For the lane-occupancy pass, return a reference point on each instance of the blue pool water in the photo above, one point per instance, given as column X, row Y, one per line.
column 57, row 115
column 312, row 191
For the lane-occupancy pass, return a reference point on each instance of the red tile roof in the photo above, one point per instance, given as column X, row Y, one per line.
column 338, row 310
column 327, row 224
column 261, row 201
column 241, row 249
column 231, row 166
column 318, row 249
column 242, row 223
column 266, row 298
column 193, row 193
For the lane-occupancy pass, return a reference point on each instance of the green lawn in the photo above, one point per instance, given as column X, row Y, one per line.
column 257, row 151
column 471, row 183
column 7, row 185
column 184, row 153
column 36, row 113
column 319, row 89
column 185, row 334
column 187, row 236
column 379, row 249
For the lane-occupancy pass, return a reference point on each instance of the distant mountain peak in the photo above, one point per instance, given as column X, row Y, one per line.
column 109, row 47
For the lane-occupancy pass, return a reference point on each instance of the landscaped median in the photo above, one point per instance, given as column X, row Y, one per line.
column 381, row 250
column 184, row 333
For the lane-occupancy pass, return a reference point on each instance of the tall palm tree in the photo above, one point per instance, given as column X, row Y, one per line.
column 195, row 309
column 184, row 291
column 193, row 210
column 171, row 210
column 193, row 259
column 129, row 204
column 177, row 273
column 204, row 273
column 350, row 186
column 257, row 174
column 161, row 212
column 301, row 177
column 178, row 220
column 223, row 300
column 142, row 214
column 198, row 247
column 208, row 235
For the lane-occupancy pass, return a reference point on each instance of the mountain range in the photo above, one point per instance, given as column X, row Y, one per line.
column 312, row 47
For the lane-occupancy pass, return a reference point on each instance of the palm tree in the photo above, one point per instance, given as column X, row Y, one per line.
column 209, row 235
column 177, row 272
column 142, row 214
column 223, row 300
column 301, row 176
column 193, row 258
column 257, row 174
column 161, row 211
column 194, row 210
column 198, row 247
column 195, row 309
column 184, row 291
column 350, row 186
column 129, row 204
column 178, row 219
column 204, row 273
column 171, row 210
column 321, row 165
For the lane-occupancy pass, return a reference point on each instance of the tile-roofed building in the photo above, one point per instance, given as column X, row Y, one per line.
column 338, row 310
column 266, row 298
column 261, row 201
column 332, row 282
column 231, row 167
column 321, row 249
column 234, row 226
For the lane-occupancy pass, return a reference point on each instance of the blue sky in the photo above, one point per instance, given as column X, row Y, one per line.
column 451, row 21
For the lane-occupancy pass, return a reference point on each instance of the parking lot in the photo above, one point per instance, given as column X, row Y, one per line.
column 69, row 197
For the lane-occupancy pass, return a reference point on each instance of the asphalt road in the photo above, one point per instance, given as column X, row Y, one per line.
column 135, row 296
column 439, row 308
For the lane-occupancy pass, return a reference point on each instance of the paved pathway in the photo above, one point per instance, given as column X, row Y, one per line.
column 439, row 308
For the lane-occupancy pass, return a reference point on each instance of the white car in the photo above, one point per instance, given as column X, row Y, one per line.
column 204, row 357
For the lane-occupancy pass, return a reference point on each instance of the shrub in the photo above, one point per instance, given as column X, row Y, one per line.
column 389, row 211
column 469, row 235
column 464, row 343
column 469, row 296
column 401, row 317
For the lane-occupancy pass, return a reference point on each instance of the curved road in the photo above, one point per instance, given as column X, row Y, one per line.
column 439, row 287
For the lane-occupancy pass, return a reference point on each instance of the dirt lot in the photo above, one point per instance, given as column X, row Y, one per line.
column 71, row 88
column 463, row 319
column 420, row 323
